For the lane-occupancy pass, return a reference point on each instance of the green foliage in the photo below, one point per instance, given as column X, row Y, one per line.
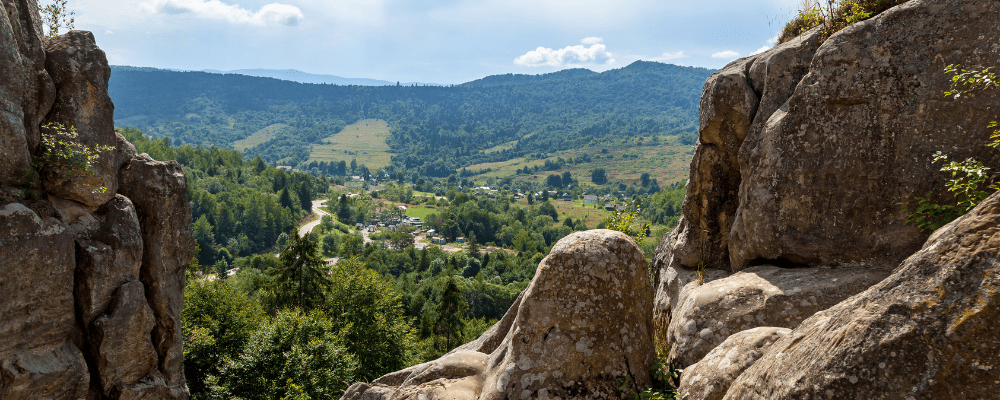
column 302, row 280
column 833, row 15
column 61, row 156
column 666, row 379
column 292, row 349
column 599, row 176
column 56, row 16
column 368, row 310
column 450, row 322
column 968, row 180
column 622, row 221
column 216, row 321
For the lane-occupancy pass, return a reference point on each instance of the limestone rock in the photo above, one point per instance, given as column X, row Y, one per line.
column 26, row 89
column 762, row 296
column 80, row 71
column 710, row 378
column 37, row 318
column 158, row 189
column 120, row 338
column 823, row 179
column 929, row 331
column 582, row 323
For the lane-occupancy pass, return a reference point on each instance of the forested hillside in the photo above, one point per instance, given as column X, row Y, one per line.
column 434, row 130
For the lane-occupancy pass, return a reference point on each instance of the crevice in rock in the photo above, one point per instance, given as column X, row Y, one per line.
column 758, row 93
column 780, row 262
column 83, row 328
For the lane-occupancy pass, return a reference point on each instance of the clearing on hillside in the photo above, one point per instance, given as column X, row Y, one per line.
column 363, row 140
column 667, row 162
column 269, row 132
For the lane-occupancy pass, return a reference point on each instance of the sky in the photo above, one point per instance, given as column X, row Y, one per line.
column 432, row 41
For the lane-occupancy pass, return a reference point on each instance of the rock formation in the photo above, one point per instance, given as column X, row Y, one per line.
column 711, row 377
column 91, row 280
column 927, row 332
column 582, row 325
column 761, row 296
column 806, row 152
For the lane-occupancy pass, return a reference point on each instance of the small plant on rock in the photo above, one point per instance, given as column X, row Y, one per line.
column 969, row 181
column 56, row 16
column 61, row 154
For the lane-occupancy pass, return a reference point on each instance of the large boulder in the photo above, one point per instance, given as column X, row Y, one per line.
column 762, row 296
column 710, row 378
column 80, row 71
column 735, row 101
column 929, row 331
column 158, row 189
column 823, row 180
column 580, row 328
column 26, row 88
column 37, row 317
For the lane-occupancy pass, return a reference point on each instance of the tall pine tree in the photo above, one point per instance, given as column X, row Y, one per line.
column 302, row 280
column 450, row 323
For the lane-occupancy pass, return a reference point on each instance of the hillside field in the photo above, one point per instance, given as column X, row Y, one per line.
column 667, row 162
column 269, row 132
column 363, row 141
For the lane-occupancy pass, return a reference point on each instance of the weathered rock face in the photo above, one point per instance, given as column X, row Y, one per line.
column 710, row 378
column 583, row 323
column 822, row 180
column 80, row 71
column 762, row 296
column 159, row 192
column 736, row 100
column 37, row 319
column 91, row 284
column 28, row 91
column 830, row 138
column 927, row 332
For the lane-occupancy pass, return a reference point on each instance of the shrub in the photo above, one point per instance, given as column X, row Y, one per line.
column 834, row 16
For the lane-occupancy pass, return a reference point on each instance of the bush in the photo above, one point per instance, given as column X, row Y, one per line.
column 834, row 16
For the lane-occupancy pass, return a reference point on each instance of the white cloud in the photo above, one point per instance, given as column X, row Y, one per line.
column 670, row 56
column 592, row 40
column 728, row 54
column 770, row 43
column 108, row 32
column 271, row 14
column 542, row 56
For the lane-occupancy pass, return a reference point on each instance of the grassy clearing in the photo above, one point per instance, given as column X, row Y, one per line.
column 363, row 141
column 667, row 163
column 259, row 137
column 420, row 211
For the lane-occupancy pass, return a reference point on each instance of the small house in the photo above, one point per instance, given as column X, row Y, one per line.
column 589, row 198
column 431, row 233
column 609, row 207
column 460, row 240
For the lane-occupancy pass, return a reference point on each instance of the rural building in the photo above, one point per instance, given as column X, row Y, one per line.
column 589, row 198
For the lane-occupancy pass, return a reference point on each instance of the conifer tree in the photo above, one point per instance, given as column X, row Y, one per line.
column 450, row 323
column 302, row 280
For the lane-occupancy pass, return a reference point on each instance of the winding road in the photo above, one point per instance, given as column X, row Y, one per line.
column 319, row 218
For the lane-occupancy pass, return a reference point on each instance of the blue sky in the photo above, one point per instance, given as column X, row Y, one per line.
column 438, row 41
